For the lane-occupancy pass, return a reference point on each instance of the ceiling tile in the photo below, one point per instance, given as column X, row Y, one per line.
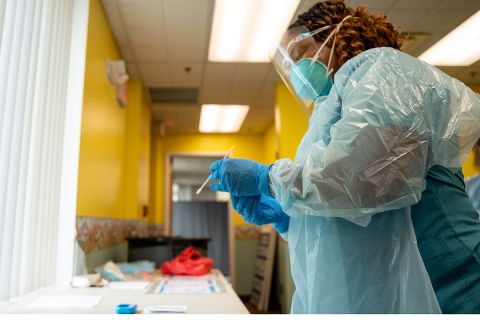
column 108, row 2
column 473, row 5
column 217, row 82
column 112, row 14
column 155, row 74
column 379, row 6
column 413, row 40
column 212, row 97
column 262, row 111
column 266, row 95
column 257, row 120
column 451, row 71
column 126, row 53
column 186, row 75
column 476, row 65
column 158, row 2
column 116, row 25
column 430, row 41
column 469, row 76
column 150, row 54
column 187, row 23
column 142, row 16
column 248, row 81
column 120, row 37
column 416, row 5
column 442, row 21
column 145, row 37
column 406, row 19
column 133, row 71
column 178, row 118
column 158, row 38
column 303, row 6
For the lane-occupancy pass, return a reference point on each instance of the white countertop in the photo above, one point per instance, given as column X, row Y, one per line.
column 226, row 301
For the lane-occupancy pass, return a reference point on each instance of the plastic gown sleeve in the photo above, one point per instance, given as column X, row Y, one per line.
column 379, row 150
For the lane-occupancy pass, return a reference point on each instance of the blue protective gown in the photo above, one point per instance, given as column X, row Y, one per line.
column 360, row 167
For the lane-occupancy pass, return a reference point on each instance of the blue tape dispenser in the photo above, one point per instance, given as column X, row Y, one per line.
column 126, row 309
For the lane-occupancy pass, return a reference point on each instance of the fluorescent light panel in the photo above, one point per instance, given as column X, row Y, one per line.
column 246, row 30
column 461, row 47
column 222, row 118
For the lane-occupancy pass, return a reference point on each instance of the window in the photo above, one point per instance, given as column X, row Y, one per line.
column 42, row 56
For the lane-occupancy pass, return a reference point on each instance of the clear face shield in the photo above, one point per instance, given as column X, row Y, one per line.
column 296, row 60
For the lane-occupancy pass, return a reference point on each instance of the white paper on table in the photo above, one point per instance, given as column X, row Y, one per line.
column 128, row 285
column 165, row 309
column 65, row 302
column 170, row 290
column 181, row 284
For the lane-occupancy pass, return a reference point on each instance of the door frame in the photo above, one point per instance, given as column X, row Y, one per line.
column 168, row 206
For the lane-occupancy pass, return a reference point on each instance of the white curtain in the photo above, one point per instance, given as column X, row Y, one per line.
column 205, row 220
column 42, row 59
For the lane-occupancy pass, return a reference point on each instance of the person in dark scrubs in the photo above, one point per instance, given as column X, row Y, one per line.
column 448, row 234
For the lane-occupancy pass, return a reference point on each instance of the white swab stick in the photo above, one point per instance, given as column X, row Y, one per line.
column 203, row 185
column 209, row 177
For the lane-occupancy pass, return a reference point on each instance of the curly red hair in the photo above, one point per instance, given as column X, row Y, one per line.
column 361, row 32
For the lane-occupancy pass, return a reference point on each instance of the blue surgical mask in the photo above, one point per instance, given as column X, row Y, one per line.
column 310, row 79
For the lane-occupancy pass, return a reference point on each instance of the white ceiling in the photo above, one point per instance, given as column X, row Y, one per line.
column 160, row 38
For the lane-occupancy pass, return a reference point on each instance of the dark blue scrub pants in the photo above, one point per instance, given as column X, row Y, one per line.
column 448, row 233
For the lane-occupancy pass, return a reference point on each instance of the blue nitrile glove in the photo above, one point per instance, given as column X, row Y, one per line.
column 282, row 224
column 260, row 210
column 240, row 177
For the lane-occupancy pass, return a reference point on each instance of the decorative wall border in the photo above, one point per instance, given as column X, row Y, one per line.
column 98, row 233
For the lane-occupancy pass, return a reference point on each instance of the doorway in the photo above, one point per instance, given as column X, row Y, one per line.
column 207, row 215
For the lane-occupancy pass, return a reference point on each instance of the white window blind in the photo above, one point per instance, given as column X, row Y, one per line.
column 42, row 60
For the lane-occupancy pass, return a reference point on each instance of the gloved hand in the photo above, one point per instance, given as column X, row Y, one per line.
column 260, row 210
column 240, row 177
column 282, row 224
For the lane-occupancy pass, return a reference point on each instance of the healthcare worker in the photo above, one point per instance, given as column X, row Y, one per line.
column 472, row 184
column 387, row 137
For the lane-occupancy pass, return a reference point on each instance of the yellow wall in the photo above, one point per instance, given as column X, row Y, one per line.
column 114, row 140
column 157, row 180
column 468, row 168
column 270, row 141
column 144, row 165
column 138, row 151
column 290, row 121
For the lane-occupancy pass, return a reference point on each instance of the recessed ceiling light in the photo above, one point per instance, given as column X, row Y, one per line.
column 246, row 30
column 222, row 118
column 461, row 47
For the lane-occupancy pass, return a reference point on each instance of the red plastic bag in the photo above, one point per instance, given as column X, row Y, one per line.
column 190, row 262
